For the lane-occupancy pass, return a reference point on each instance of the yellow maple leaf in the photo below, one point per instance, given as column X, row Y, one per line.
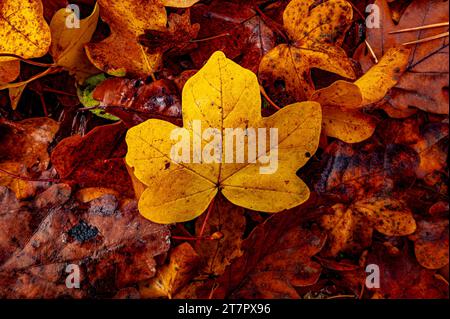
column 121, row 53
column 67, row 47
column 316, row 35
column 23, row 30
column 223, row 97
column 342, row 101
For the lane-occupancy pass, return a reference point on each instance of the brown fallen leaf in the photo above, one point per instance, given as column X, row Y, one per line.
column 402, row 277
column 277, row 258
column 424, row 85
column 431, row 242
column 27, row 141
column 229, row 220
column 135, row 101
column 350, row 228
column 182, row 266
column 9, row 71
column 367, row 170
column 95, row 160
column 112, row 245
column 233, row 28
column 176, row 40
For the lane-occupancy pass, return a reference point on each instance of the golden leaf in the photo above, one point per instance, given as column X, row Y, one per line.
column 316, row 36
column 67, row 47
column 121, row 53
column 223, row 95
column 23, row 30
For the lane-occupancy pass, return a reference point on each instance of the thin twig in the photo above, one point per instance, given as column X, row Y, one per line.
column 429, row 26
column 24, row 178
column 434, row 37
column 31, row 62
column 371, row 51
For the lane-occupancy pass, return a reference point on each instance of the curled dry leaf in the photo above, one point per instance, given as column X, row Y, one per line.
column 181, row 268
column 222, row 94
column 121, row 53
column 316, row 35
column 424, row 84
column 135, row 101
column 67, row 47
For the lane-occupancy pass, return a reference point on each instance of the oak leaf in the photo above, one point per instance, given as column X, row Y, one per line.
column 222, row 95
column 316, row 35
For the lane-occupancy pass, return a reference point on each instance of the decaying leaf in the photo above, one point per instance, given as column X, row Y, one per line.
column 23, row 30
column 95, row 160
column 403, row 277
column 176, row 40
column 112, row 245
column 222, row 95
column 135, row 101
column 26, row 142
column 121, row 53
column 183, row 263
column 431, row 242
column 229, row 221
column 9, row 71
column 316, row 35
column 277, row 258
column 233, row 28
column 350, row 228
column 425, row 82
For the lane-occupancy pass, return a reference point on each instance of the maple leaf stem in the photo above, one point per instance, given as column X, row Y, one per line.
column 193, row 238
column 45, row 180
column 272, row 103
column 273, row 24
column 31, row 62
column 202, row 230
column 44, row 106
column 50, row 90
column 226, row 34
